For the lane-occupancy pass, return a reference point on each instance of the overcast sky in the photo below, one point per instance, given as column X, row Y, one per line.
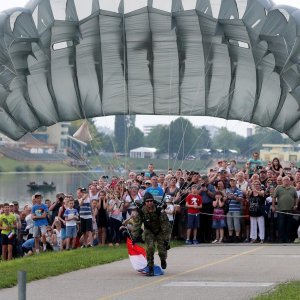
column 239, row 127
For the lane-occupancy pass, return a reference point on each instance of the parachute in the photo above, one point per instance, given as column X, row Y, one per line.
column 150, row 61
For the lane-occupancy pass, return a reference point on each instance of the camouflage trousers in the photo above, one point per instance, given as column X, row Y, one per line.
column 151, row 241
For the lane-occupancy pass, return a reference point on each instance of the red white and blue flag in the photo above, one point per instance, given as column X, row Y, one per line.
column 137, row 256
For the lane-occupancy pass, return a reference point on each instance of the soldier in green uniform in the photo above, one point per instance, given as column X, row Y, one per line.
column 157, row 231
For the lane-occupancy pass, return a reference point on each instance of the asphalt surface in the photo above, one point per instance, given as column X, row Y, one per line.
column 226, row 271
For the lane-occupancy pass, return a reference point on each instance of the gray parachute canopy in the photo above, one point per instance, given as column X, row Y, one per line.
column 149, row 61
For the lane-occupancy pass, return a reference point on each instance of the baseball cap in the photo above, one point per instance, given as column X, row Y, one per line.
column 37, row 194
column 148, row 196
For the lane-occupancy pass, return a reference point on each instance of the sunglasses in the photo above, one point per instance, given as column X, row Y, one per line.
column 149, row 201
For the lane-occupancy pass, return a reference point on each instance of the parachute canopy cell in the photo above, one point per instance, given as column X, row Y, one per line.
column 241, row 64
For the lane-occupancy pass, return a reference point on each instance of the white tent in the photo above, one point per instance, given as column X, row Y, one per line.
column 143, row 152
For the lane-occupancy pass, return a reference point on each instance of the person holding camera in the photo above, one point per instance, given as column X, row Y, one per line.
column 54, row 208
column 85, row 213
column 255, row 164
column 157, row 231
column 256, row 211
column 207, row 193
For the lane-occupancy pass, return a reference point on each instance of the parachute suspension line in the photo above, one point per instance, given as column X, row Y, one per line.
column 193, row 106
column 170, row 93
column 125, row 98
column 91, row 142
column 40, row 143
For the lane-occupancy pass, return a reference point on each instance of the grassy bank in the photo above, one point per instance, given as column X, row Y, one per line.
column 55, row 263
column 288, row 291
column 141, row 164
column 106, row 163
column 10, row 165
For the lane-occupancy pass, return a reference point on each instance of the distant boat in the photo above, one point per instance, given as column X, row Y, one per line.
column 41, row 186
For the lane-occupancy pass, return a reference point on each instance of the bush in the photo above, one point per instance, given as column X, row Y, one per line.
column 39, row 168
column 19, row 169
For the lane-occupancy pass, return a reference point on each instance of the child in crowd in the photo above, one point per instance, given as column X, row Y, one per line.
column 170, row 210
column 8, row 224
column 71, row 217
column 193, row 204
column 95, row 209
column 218, row 217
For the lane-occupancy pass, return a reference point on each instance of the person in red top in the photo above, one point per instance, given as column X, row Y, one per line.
column 193, row 203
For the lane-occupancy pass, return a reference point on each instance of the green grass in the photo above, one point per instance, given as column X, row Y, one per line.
column 142, row 163
column 287, row 291
column 10, row 165
column 55, row 263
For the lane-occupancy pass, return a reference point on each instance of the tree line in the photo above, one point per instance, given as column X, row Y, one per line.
column 179, row 139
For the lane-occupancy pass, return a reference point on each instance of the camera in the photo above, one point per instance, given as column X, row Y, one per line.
column 259, row 167
column 143, row 173
column 83, row 190
column 105, row 177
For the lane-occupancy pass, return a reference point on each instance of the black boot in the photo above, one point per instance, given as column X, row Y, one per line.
column 151, row 271
column 163, row 264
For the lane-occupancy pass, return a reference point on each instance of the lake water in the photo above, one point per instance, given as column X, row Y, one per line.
column 13, row 187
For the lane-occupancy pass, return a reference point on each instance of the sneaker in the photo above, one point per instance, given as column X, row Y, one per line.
column 195, row 242
column 261, row 241
column 189, row 242
column 253, row 241
column 110, row 245
column 246, row 240
column 220, row 241
column 89, row 245
column 163, row 264
column 83, row 246
column 151, row 271
column 215, row 241
column 297, row 241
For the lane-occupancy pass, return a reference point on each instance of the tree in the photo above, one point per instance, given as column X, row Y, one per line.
column 158, row 138
column 135, row 138
column 203, row 139
column 182, row 138
column 226, row 140
column 123, row 123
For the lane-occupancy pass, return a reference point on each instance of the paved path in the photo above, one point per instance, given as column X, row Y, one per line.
column 194, row 272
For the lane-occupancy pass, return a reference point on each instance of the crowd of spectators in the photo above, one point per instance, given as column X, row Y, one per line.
column 253, row 203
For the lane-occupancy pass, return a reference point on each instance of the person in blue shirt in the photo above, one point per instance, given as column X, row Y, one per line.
column 234, row 197
column 155, row 189
column 255, row 164
column 39, row 214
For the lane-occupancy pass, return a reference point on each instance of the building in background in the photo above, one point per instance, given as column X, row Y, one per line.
column 283, row 152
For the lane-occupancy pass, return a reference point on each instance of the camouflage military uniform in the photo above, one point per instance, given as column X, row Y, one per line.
column 156, row 230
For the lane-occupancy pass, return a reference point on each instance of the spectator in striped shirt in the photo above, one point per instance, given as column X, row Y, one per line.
column 234, row 198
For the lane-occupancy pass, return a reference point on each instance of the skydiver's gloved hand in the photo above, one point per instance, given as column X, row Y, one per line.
column 167, row 245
